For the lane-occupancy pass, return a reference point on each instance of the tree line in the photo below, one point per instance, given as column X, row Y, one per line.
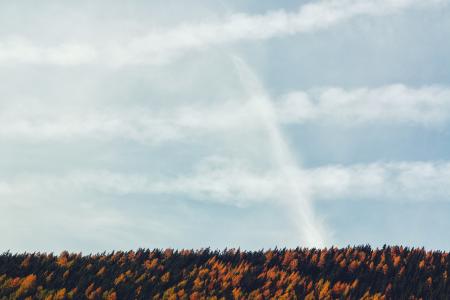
column 334, row 273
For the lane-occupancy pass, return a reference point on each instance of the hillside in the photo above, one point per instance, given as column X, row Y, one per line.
column 348, row 273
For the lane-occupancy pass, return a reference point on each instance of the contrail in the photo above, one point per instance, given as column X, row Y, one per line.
column 297, row 199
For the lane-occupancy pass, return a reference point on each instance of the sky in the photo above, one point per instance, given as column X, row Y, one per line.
column 224, row 124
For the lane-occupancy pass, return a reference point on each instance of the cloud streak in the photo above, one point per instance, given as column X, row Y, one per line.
column 234, row 183
column 20, row 50
column 392, row 104
column 293, row 195
column 33, row 123
column 395, row 104
column 163, row 45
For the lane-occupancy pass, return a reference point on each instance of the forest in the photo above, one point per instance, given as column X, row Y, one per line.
column 334, row 273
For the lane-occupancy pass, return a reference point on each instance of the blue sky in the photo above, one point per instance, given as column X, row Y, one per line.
column 224, row 124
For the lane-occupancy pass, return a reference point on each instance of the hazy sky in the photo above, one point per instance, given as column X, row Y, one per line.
column 249, row 124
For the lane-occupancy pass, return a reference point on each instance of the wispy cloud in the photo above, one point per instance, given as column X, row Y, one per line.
column 21, row 50
column 393, row 181
column 162, row 45
column 396, row 103
column 235, row 183
column 297, row 199
column 392, row 104
column 35, row 123
column 217, row 180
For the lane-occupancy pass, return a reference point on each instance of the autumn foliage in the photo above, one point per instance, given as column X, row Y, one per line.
column 349, row 273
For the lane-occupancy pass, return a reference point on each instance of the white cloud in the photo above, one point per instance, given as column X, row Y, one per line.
column 392, row 104
column 228, row 182
column 294, row 195
column 397, row 103
column 234, row 183
column 395, row 181
column 37, row 123
column 162, row 45
column 78, row 201
column 24, row 51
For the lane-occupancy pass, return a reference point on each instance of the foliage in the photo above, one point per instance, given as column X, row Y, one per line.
column 348, row 273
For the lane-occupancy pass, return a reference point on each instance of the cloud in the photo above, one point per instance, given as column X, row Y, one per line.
column 394, row 181
column 163, row 45
column 391, row 104
column 23, row 51
column 296, row 198
column 35, row 123
column 396, row 103
column 235, row 183
column 217, row 180
column 87, row 203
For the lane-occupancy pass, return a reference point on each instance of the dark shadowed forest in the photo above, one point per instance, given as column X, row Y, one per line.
column 348, row 273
